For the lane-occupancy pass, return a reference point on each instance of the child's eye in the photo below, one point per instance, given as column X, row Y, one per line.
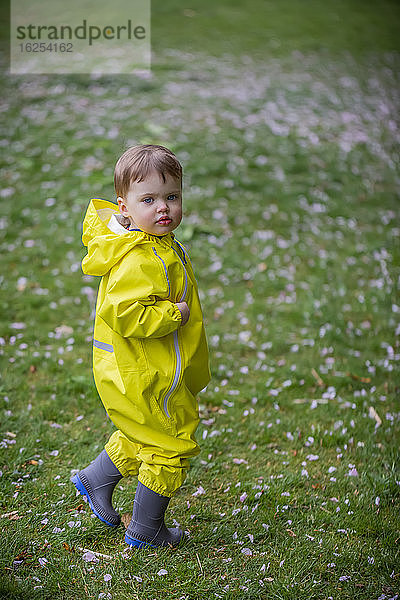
column 172, row 197
column 148, row 200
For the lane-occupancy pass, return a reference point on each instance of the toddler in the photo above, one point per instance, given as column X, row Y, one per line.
column 150, row 355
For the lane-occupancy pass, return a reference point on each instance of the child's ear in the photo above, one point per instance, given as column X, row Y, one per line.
column 122, row 205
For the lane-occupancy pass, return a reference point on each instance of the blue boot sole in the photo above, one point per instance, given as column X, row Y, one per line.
column 83, row 491
column 137, row 544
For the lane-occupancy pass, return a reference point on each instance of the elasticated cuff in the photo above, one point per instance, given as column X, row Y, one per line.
column 177, row 315
column 114, row 457
column 154, row 487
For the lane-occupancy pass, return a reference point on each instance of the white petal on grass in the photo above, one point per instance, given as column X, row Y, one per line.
column 17, row 325
column 162, row 572
column 90, row 557
column 312, row 457
column 353, row 472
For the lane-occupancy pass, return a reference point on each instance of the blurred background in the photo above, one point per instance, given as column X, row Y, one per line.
column 285, row 117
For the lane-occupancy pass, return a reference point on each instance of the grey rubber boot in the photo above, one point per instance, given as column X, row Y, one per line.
column 147, row 527
column 97, row 482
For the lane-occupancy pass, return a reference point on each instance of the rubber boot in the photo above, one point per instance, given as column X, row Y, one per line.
column 97, row 482
column 147, row 527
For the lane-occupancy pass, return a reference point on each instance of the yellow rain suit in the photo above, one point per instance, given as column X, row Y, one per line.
column 147, row 367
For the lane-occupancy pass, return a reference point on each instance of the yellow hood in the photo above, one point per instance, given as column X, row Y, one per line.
column 106, row 239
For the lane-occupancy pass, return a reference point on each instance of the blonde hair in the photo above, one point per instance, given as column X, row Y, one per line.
column 136, row 163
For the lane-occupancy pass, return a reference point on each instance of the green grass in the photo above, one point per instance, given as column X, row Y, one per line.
column 266, row 29
column 292, row 222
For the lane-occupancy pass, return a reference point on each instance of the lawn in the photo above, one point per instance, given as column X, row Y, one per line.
column 287, row 128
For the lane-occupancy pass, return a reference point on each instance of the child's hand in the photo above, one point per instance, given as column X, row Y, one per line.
column 184, row 310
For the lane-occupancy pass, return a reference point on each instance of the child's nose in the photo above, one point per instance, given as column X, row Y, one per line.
column 162, row 206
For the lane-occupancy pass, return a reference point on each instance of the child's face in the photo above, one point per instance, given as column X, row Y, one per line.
column 152, row 205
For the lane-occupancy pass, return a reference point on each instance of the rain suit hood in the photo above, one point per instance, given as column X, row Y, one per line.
column 106, row 238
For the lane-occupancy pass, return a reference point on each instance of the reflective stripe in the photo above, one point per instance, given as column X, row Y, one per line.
column 165, row 269
column 177, row 373
column 103, row 346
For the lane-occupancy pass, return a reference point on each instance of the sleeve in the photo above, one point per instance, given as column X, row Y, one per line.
column 135, row 303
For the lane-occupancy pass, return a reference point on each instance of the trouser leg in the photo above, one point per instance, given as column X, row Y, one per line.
column 163, row 470
column 162, row 474
column 124, row 453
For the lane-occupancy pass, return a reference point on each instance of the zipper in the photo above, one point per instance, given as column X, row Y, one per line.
column 184, row 269
column 165, row 270
column 183, row 251
column 177, row 373
column 178, row 356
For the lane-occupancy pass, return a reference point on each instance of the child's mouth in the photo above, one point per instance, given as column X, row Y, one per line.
column 164, row 221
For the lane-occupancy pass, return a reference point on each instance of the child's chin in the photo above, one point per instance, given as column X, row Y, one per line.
column 160, row 230
column 167, row 228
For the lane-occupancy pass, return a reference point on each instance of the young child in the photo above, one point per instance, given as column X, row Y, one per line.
column 150, row 355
